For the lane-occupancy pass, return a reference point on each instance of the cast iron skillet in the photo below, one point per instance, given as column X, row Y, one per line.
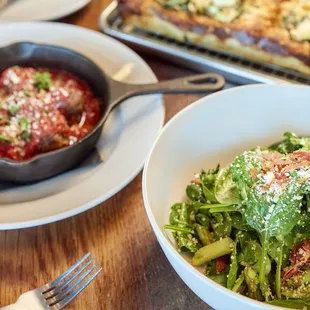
column 109, row 92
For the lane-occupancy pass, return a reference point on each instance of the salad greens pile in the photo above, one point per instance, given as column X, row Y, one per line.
column 248, row 224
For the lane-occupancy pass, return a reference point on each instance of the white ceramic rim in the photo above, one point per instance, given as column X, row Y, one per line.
column 159, row 232
column 50, row 17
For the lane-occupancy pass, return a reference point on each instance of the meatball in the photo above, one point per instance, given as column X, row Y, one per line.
column 75, row 103
column 53, row 142
column 71, row 105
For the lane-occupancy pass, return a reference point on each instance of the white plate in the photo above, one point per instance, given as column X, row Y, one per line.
column 215, row 130
column 126, row 140
column 37, row 10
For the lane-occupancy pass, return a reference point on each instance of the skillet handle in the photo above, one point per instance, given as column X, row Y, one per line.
column 194, row 84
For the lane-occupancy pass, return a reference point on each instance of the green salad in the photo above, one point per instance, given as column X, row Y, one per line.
column 248, row 224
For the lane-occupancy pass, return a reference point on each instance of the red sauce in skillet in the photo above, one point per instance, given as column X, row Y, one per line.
column 42, row 110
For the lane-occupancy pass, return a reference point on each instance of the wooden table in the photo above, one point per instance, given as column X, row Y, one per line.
column 136, row 273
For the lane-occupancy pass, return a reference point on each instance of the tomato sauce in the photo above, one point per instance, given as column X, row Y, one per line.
column 42, row 110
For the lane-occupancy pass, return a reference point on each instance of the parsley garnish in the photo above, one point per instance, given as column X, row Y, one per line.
column 26, row 93
column 5, row 139
column 42, row 80
column 26, row 136
column 13, row 109
column 23, row 123
column 24, row 130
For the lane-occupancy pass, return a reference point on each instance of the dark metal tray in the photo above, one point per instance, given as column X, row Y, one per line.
column 235, row 69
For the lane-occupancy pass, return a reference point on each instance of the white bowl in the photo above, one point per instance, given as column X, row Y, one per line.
column 214, row 130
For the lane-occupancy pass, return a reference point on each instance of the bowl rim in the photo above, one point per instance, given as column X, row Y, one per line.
column 159, row 231
column 11, row 162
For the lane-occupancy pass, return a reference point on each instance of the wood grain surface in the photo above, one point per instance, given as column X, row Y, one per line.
column 136, row 273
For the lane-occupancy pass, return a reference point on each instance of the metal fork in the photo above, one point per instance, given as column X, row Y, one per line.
column 58, row 293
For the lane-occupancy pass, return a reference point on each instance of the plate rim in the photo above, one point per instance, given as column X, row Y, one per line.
column 74, row 8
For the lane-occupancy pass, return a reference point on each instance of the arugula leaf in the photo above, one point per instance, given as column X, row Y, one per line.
column 291, row 143
column 280, row 246
column 238, row 282
column 219, row 278
column 302, row 291
column 251, row 255
column 205, row 191
column 276, row 219
column 209, row 194
column 182, row 225
column 233, row 271
column 292, row 303
column 265, row 289
column 275, row 250
column 214, row 275
column 223, row 208
column 221, row 225
column 194, row 192
column 175, row 213
column 186, row 244
column 42, row 80
column 208, row 183
column 239, row 222
column 185, row 214
column 210, row 176
column 226, row 190
column 241, row 169
column 299, row 279
column 279, row 250
column 203, row 219
column 301, row 230
column 251, row 279
column 245, row 237
column 211, row 268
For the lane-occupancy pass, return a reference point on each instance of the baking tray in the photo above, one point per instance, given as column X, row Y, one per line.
column 235, row 69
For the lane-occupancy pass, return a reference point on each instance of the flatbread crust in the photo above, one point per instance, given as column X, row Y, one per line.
column 258, row 35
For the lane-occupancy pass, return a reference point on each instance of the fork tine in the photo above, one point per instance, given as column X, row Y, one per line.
column 49, row 286
column 58, row 297
column 70, row 297
column 59, row 288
